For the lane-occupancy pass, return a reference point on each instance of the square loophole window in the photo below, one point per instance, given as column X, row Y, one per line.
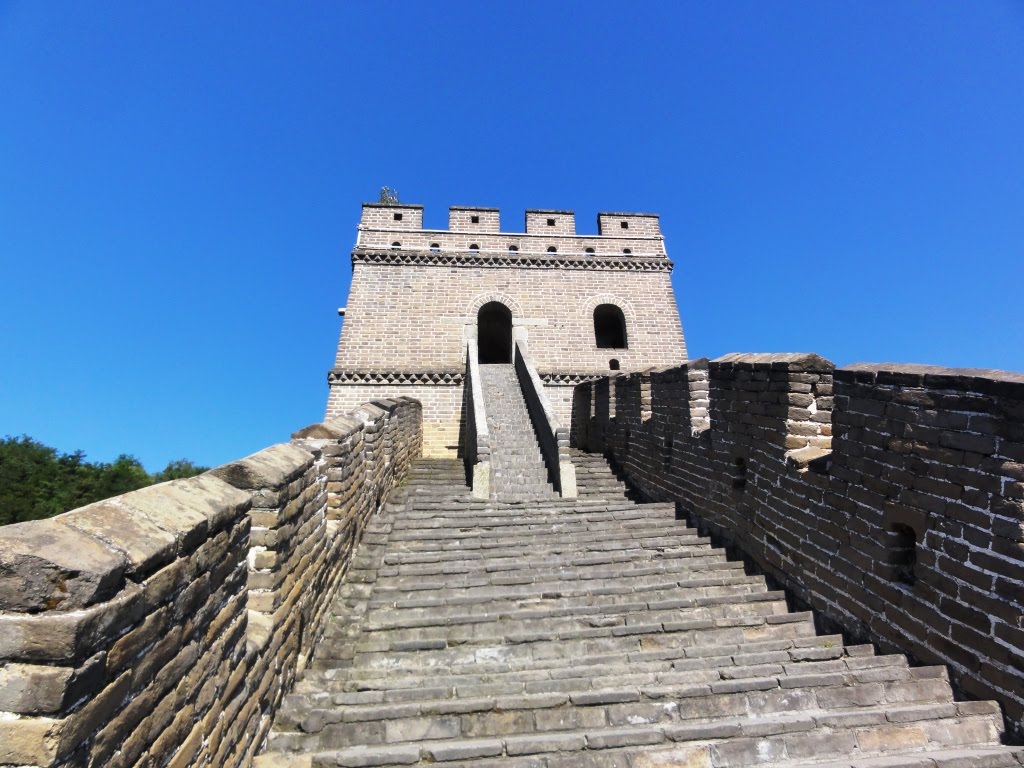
column 398, row 217
column 551, row 222
column 474, row 219
column 624, row 224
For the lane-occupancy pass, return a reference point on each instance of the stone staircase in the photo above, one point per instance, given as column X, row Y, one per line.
column 594, row 632
column 519, row 471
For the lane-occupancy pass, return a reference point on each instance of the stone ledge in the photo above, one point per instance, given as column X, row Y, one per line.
column 338, row 428
column 807, row 361
column 270, row 468
column 82, row 557
column 984, row 380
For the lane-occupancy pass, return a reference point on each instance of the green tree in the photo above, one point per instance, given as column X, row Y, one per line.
column 36, row 481
column 389, row 196
column 177, row 469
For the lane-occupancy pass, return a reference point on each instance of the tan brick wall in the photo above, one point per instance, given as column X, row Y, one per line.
column 442, row 410
column 410, row 312
column 412, row 318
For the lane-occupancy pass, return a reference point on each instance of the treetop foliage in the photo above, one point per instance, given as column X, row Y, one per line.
column 36, row 481
column 389, row 196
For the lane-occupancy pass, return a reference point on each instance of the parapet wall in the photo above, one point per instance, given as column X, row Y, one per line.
column 628, row 237
column 162, row 627
column 889, row 498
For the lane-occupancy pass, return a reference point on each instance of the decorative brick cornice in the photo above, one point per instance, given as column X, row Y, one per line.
column 570, row 379
column 441, row 378
column 533, row 261
column 437, row 378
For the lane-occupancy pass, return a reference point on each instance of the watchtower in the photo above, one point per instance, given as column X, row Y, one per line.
column 584, row 304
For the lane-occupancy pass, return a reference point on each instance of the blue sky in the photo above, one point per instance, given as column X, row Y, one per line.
column 180, row 184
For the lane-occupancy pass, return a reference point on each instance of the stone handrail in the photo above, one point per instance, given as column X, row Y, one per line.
column 553, row 437
column 164, row 626
column 477, row 450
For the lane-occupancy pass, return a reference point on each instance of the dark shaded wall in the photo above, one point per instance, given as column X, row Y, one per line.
column 890, row 498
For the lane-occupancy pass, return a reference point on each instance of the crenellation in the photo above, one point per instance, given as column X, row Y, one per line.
column 392, row 217
column 473, row 219
column 632, row 224
column 549, row 222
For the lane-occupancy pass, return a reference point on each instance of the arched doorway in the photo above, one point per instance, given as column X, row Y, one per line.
column 494, row 333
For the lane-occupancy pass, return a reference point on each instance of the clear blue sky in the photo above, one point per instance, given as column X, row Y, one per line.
column 180, row 184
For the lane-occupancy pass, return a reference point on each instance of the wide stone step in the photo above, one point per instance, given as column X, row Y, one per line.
column 900, row 701
column 554, row 578
column 652, row 673
column 742, row 741
column 700, row 755
column 516, row 651
column 429, row 506
column 471, row 632
column 536, row 591
column 410, row 612
column 552, row 558
column 423, row 516
column 540, row 561
column 600, row 547
column 524, row 533
column 700, row 585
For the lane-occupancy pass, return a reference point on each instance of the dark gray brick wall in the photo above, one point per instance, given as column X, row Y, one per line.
column 890, row 498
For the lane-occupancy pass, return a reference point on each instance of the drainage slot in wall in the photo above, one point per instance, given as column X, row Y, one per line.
column 739, row 473
column 902, row 555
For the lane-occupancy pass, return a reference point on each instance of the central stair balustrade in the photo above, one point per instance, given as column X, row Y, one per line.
column 477, row 448
column 552, row 436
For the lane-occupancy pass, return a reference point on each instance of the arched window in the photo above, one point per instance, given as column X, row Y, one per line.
column 627, row 251
column 395, row 245
column 613, row 364
column 474, row 248
column 609, row 327
column 552, row 249
column 435, row 247
column 513, row 249
column 588, row 251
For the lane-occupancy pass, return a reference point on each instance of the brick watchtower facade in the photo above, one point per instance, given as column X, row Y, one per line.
column 584, row 304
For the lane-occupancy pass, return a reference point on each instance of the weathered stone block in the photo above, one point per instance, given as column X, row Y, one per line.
column 46, row 565
column 271, row 468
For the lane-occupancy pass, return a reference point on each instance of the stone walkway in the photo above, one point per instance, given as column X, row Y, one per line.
column 594, row 632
